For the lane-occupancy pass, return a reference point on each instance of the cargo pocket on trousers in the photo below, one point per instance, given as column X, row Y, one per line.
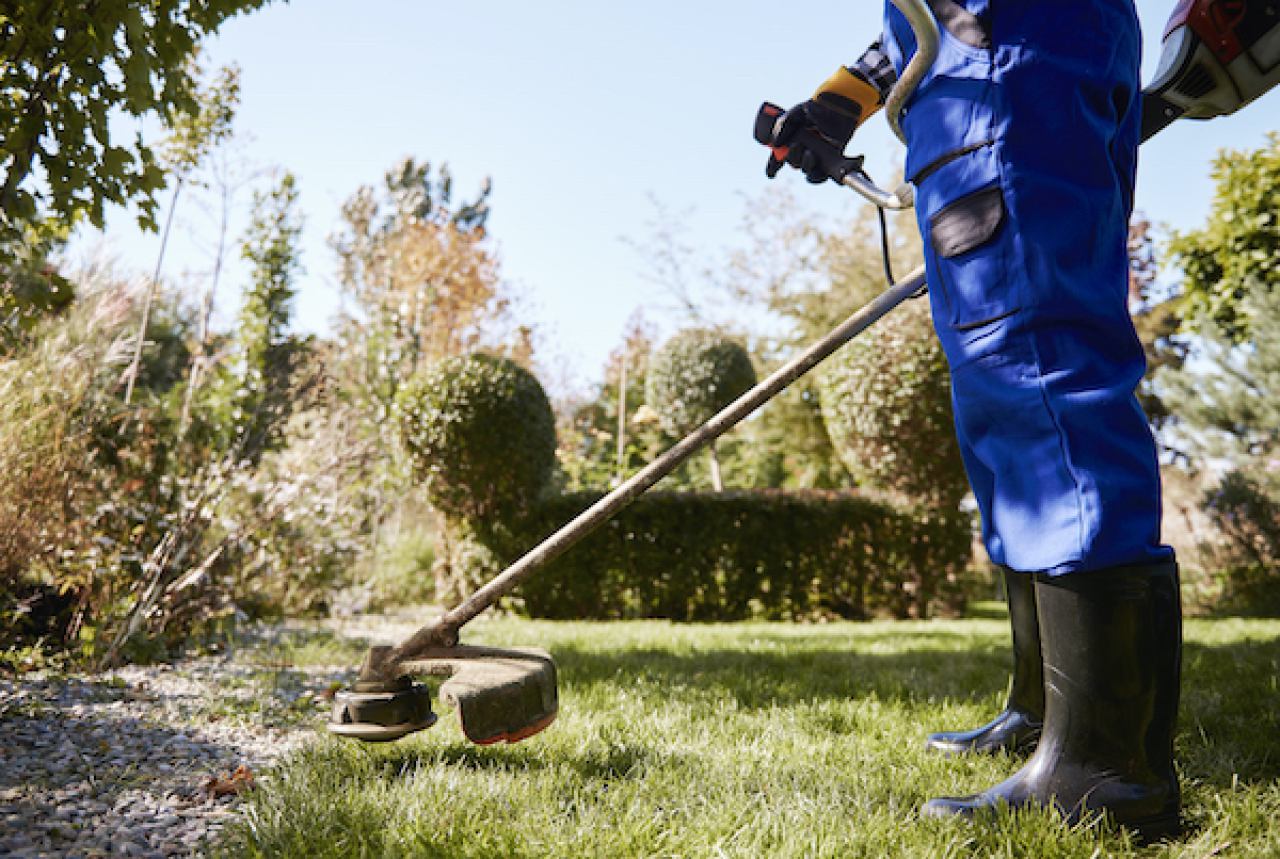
column 969, row 240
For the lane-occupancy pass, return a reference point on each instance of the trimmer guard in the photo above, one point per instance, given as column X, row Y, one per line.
column 500, row 694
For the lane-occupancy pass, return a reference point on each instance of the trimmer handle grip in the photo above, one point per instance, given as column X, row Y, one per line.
column 833, row 161
column 766, row 123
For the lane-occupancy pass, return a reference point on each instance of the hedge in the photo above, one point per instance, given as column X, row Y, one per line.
column 746, row 554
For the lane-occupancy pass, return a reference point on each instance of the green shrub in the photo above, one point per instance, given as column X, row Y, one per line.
column 399, row 572
column 84, row 491
column 1248, row 558
column 886, row 402
column 694, row 375
column 735, row 555
column 480, row 434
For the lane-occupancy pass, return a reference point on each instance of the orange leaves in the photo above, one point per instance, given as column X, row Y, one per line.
column 232, row 784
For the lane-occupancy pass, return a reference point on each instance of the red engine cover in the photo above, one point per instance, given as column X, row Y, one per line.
column 1214, row 21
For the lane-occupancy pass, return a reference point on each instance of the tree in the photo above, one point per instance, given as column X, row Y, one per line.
column 226, row 173
column 240, row 418
column 265, row 355
column 808, row 275
column 1225, row 401
column 1222, row 405
column 1227, row 420
column 191, row 139
column 1158, row 315
column 692, row 377
column 31, row 287
column 67, row 68
column 423, row 281
column 1237, row 252
column 421, row 284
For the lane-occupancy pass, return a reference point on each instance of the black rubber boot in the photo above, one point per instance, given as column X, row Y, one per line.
column 1112, row 644
column 1017, row 727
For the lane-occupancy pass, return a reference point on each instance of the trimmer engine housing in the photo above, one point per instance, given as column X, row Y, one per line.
column 1218, row 56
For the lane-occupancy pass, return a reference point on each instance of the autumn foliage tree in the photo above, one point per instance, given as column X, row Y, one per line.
column 422, row 281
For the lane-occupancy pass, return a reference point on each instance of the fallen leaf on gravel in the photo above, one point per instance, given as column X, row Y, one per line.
column 230, row 785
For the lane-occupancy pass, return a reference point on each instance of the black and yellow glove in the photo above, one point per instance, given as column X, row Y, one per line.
column 834, row 113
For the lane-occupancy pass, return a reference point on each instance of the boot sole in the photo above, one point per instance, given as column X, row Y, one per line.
column 1162, row 827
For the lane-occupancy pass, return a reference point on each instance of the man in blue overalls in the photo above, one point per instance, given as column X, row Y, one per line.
column 1022, row 143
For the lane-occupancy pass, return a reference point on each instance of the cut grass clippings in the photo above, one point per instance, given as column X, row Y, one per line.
column 763, row 740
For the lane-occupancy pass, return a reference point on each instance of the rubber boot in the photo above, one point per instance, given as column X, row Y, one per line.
column 1017, row 727
column 1112, row 642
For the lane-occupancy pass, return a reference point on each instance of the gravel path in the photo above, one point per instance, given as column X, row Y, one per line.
column 127, row 763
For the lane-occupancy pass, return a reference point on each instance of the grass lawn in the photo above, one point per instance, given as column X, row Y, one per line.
column 764, row 740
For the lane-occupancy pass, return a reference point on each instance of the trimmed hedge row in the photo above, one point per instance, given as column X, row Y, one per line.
column 746, row 554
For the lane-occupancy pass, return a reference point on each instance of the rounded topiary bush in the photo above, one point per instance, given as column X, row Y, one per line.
column 886, row 403
column 694, row 375
column 480, row 433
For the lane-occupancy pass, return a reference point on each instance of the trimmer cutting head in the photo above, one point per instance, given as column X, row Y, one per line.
column 500, row 695
column 382, row 712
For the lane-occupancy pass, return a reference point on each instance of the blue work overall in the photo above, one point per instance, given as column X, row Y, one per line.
column 1022, row 145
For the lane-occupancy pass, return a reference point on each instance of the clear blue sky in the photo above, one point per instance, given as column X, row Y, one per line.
column 581, row 112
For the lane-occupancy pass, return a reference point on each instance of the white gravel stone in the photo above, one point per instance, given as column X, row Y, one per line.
column 117, row 764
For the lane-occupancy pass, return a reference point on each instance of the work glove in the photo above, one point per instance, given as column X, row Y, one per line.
column 833, row 115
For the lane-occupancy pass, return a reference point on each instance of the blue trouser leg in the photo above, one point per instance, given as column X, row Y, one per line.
column 1022, row 150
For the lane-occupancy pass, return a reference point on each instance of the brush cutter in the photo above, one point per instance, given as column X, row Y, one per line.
column 510, row 694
